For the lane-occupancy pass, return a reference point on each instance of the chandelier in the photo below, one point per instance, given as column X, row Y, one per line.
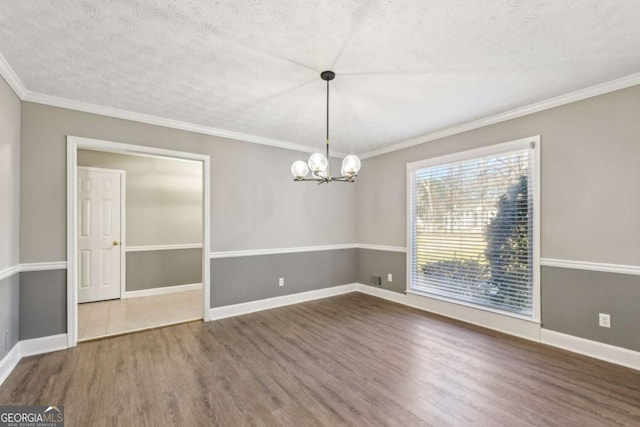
column 318, row 163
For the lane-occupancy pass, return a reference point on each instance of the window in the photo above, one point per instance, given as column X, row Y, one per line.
column 471, row 228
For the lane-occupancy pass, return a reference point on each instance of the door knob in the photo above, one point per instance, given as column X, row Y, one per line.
column 115, row 243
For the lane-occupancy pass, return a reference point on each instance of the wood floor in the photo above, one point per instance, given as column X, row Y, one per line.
column 348, row 360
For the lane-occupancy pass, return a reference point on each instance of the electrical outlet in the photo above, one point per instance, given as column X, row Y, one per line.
column 604, row 320
column 281, row 281
column 390, row 277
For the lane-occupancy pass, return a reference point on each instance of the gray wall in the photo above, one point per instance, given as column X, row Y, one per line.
column 589, row 160
column 9, row 214
column 243, row 279
column 572, row 299
column 158, row 269
column 43, row 303
column 9, row 316
column 164, row 197
column 164, row 207
column 9, row 176
column 255, row 203
column 383, row 263
column 590, row 153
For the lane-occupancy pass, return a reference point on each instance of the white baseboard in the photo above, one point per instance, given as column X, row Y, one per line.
column 162, row 291
column 30, row 347
column 9, row 362
column 43, row 345
column 595, row 349
column 266, row 304
column 531, row 331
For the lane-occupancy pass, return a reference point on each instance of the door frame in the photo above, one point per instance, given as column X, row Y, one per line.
column 123, row 219
column 73, row 144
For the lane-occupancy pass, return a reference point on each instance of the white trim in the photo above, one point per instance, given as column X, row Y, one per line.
column 206, row 237
column 131, row 149
column 123, row 233
column 547, row 262
column 420, row 294
column 43, row 266
column 150, row 248
column 105, row 170
column 591, row 266
column 9, row 362
column 578, row 95
column 530, row 331
column 72, row 243
column 382, row 247
column 26, row 348
column 43, row 345
column 269, row 303
column 476, row 153
column 73, row 144
column 86, row 107
column 537, row 228
column 162, row 291
column 527, row 330
column 9, row 271
column 11, row 78
column 275, row 251
column 524, row 328
column 595, row 349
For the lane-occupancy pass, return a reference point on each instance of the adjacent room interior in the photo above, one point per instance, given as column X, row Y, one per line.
column 340, row 213
column 139, row 239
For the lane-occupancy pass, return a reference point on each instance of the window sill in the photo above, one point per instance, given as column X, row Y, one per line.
column 530, row 319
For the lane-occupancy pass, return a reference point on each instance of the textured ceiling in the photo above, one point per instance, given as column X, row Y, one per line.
column 404, row 68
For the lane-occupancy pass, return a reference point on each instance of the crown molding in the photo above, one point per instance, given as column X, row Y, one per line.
column 600, row 89
column 578, row 95
column 118, row 113
column 11, row 78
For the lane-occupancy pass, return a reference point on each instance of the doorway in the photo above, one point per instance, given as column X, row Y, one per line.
column 118, row 280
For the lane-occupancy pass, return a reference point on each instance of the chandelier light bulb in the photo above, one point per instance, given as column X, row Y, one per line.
column 318, row 162
column 299, row 169
column 351, row 165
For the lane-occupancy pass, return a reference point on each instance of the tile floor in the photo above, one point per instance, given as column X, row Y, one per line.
column 114, row 317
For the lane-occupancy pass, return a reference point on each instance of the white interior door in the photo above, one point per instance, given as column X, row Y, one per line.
column 99, row 232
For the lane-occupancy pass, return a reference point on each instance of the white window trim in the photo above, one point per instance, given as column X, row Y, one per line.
column 467, row 155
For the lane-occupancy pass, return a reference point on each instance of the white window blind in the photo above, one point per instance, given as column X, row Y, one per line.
column 471, row 228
